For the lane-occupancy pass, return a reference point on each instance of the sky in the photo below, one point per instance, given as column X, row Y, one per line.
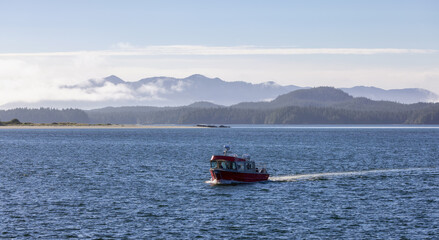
column 48, row 44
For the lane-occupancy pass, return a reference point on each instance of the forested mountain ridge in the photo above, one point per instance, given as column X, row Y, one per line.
column 317, row 97
column 322, row 105
column 329, row 97
column 316, row 105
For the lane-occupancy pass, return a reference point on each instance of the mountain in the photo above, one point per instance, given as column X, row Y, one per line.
column 322, row 105
column 114, row 80
column 317, row 97
column 321, row 96
column 169, row 91
column 407, row 95
column 329, row 97
column 204, row 104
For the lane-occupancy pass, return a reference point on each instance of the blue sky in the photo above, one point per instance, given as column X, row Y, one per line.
column 91, row 25
column 388, row 44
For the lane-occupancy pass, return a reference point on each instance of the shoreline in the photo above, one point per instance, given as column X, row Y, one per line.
column 261, row 126
column 113, row 126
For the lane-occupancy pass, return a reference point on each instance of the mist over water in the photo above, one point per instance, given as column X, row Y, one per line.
column 151, row 183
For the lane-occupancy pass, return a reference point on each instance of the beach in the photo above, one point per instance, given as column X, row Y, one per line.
column 91, row 126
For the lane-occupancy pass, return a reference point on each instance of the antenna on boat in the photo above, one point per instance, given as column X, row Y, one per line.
column 226, row 148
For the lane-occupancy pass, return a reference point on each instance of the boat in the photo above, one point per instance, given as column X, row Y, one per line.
column 229, row 169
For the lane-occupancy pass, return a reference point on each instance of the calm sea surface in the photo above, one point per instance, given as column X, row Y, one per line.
column 327, row 183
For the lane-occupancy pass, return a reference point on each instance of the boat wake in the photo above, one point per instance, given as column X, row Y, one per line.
column 315, row 176
column 224, row 182
column 216, row 182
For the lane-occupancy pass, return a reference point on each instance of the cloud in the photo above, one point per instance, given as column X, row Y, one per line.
column 123, row 45
column 33, row 77
column 180, row 86
column 153, row 90
column 126, row 49
column 101, row 90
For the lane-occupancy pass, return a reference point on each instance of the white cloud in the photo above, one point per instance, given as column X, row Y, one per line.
column 113, row 92
column 180, row 86
column 126, row 49
column 123, row 45
column 153, row 89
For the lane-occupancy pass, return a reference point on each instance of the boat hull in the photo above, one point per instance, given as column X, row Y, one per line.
column 222, row 176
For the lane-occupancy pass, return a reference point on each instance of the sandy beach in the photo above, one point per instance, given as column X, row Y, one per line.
column 113, row 126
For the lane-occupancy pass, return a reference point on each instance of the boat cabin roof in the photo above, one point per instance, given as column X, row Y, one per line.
column 227, row 158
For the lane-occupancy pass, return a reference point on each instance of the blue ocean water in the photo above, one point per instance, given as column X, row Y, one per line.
column 326, row 183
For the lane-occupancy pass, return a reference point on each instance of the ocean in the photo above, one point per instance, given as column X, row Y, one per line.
column 326, row 182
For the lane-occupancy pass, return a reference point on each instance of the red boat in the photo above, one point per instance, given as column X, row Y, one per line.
column 227, row 169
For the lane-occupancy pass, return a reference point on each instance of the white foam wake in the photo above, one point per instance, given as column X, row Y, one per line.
column 223, row 182
column 291, row 178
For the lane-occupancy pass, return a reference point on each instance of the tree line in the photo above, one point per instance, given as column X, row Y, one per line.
column 226, row 115
column 45, row 115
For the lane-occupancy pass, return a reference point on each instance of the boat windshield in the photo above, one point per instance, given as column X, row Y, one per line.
column 223, row 165
column 214, row 164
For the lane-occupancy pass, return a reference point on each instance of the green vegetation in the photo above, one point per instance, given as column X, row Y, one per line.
column 13, row 122
column 45, row 115
column 230, row 115
column 323, row 105
column 284, row 115
column 16, row 122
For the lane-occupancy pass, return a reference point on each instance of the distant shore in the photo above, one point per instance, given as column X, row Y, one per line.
column 16, row 124
column 91, row 126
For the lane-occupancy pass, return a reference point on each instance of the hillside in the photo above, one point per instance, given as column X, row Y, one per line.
column 329, row 97
column 407, row 95
column 316, row 105
column 322, row 105
column 317, row 97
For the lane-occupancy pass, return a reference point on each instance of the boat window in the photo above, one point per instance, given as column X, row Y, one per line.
column 250, row 165
column 224, row 165
column 233, row 165
column 240, row 166
column 213, row 164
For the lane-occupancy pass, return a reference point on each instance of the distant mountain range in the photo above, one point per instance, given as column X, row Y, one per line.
column 169, row 91
column 322, row 105
column 406, row 95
